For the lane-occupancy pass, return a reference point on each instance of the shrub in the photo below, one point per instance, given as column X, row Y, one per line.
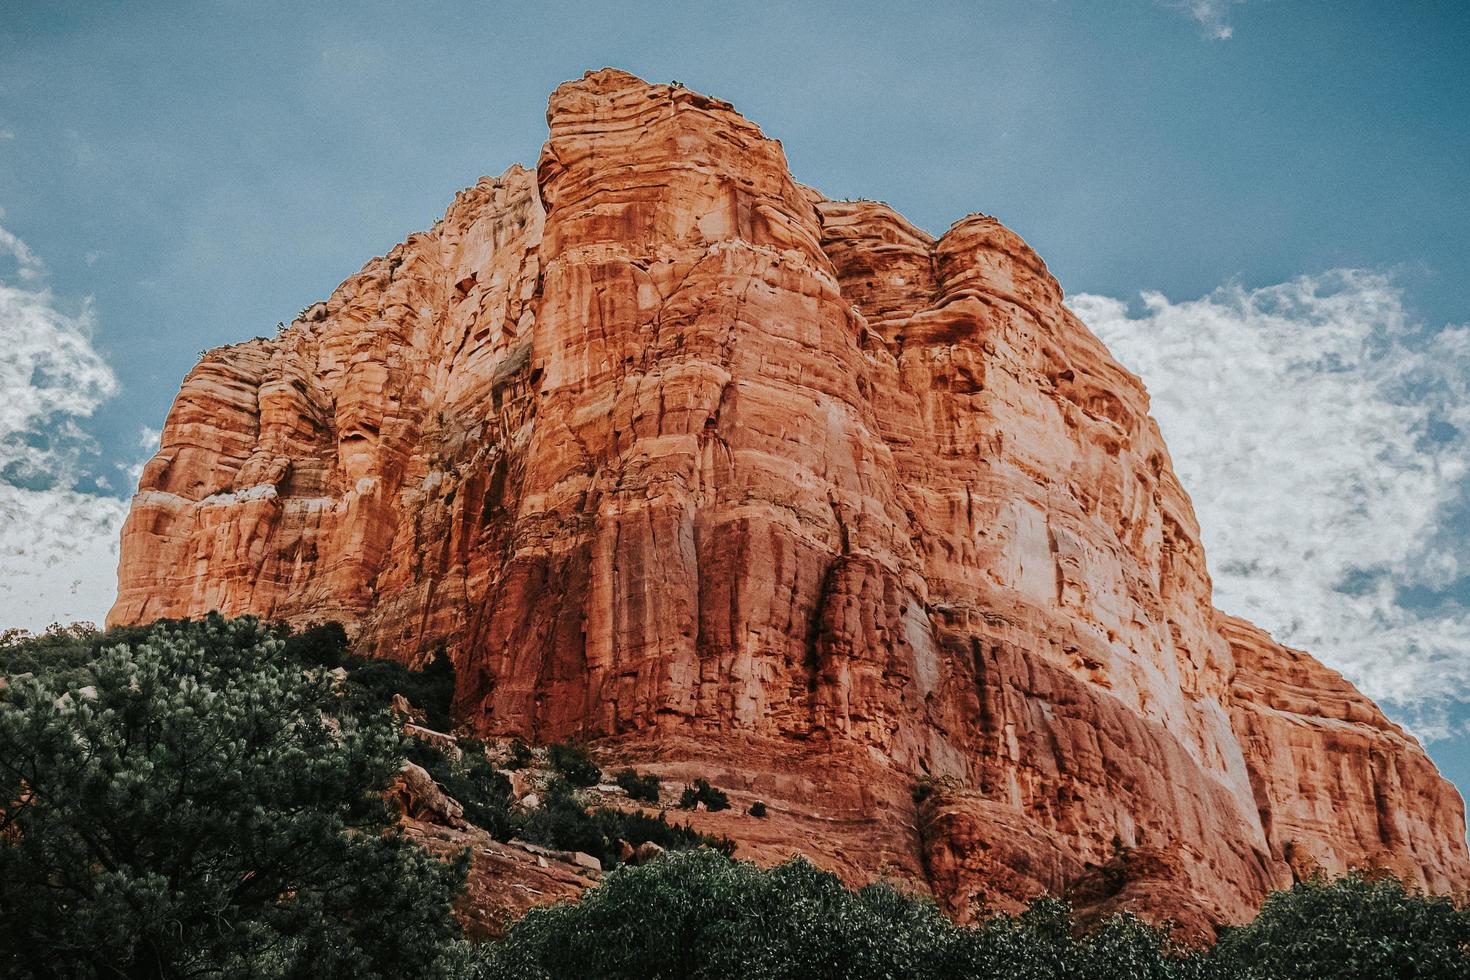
column 484, row 792
column 574, row 764
column 520, row 755
column 562, row 822
column 758, row 809
column 373, row 682
column 644, row 787
column 698, row 914
column 702, row 792
column 204, row 814
column 638, row 827
column 1353, row 927
column 320, row 644
column 1042, row 942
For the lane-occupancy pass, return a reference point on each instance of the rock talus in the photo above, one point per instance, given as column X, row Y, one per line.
column 666, row 450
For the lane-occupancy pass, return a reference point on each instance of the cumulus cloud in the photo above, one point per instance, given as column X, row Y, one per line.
column 1213, row 16
column 58, row 547
column 58, row 556
column 1323, row 436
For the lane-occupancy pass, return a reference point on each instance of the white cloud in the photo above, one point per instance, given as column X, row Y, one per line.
column 27, row 265
column 1324, row 438
column 51, row 375
column 58, row 556
column 1213, row 16
column 148, row 442
column 58, row 547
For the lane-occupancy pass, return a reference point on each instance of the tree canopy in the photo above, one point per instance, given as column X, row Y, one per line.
column 192, row 802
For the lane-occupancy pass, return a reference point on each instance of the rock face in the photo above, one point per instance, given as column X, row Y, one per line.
column 669, row 451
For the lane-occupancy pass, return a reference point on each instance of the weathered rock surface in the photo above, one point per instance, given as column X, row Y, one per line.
column 670, row 451
column 421, row 798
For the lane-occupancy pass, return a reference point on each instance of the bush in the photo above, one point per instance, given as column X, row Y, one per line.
column 201, row 812
column 638, row 827
column 698, row 914
column 373, row 682
column 645, row 787
column 520, row 755
column 564, row 823
column 320, row 644
column 758, row 809
column 574, row 764
column 702, row 792
column 484, row 792
column 1042, row 943
column 1353, row 927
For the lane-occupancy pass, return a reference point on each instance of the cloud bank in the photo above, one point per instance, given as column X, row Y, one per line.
column 58, row 547
column 1324, row 438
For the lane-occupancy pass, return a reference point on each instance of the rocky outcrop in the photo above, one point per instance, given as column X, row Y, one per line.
column 667, row 450
column 1336, row 783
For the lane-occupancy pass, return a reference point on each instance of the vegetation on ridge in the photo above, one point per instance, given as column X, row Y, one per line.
column 186, row 801
column 207, row 799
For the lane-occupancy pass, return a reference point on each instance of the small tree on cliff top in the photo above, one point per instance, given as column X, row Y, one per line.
column 195, row 810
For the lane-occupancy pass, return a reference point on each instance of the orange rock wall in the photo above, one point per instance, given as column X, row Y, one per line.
column 668, row 450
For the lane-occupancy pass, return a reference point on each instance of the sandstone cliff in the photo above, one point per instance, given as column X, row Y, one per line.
column 670, row 451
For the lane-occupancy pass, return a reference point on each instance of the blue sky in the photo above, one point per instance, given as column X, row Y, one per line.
column 1262, row 205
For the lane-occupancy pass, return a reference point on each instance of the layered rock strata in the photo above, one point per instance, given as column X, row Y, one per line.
column 669, row 451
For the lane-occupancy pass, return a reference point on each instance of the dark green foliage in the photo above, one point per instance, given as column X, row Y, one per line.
column 702, row 792
column 564, row 823
column 637, row 827
column 65, row 653
column 1041, row 944
column 574, row 763
column 644, row 787
column 199, row 812
column 1353, row 928
column 484, row 792
column 374, row 682
column 758, row 810
column 699, row 915
column 520, row 755
column 321, row 644
column 201, row 799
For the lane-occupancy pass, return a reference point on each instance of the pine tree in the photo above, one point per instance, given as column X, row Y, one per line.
column 194, row 803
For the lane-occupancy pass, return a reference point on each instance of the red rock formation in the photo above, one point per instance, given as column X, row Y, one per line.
column 667, row 450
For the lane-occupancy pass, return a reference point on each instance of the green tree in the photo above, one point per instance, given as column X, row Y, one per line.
column 200, row 807
column 1351, row 928
column 574, row 763
column 697, row 914
column 1043, row 943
